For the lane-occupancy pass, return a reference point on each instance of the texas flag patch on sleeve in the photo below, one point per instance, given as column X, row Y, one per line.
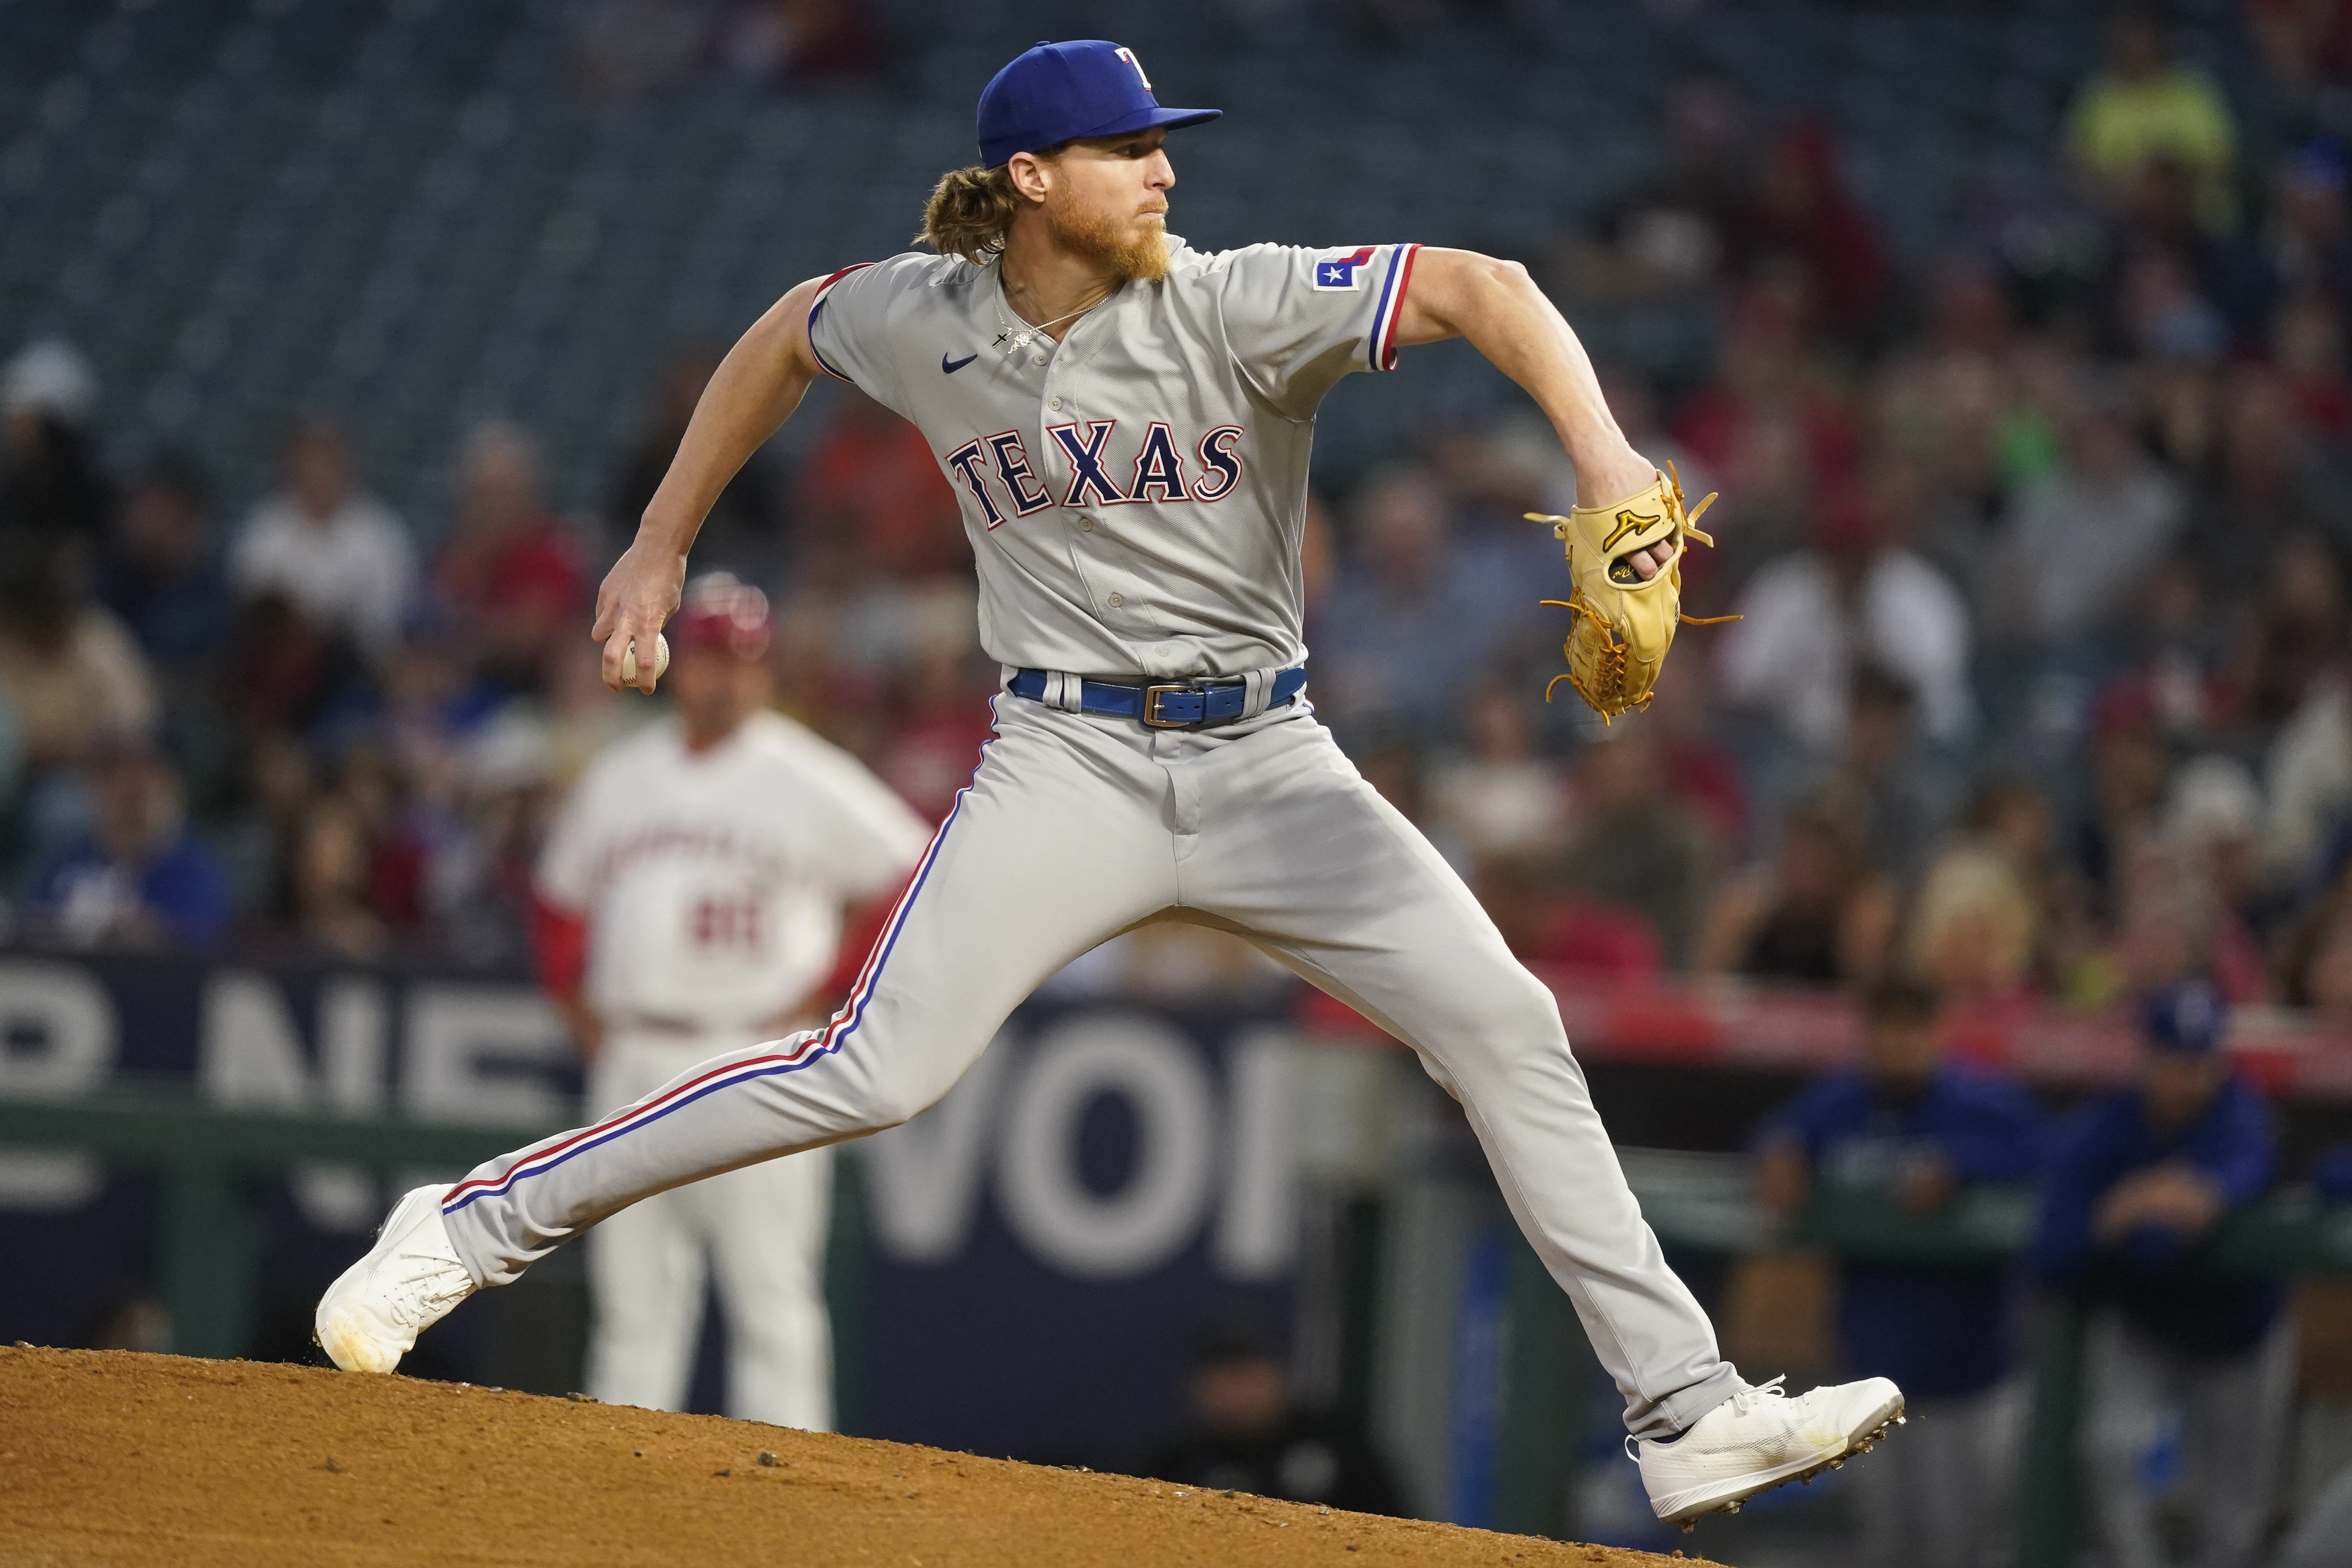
column 1343, row 269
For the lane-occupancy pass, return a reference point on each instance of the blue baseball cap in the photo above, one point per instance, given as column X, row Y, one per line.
column 2186, row 1018
column 1054, row 93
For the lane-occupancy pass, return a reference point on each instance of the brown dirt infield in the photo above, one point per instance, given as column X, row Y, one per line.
column 108, row 1457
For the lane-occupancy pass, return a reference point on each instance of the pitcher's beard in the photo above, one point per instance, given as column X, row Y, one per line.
column 1094, row 236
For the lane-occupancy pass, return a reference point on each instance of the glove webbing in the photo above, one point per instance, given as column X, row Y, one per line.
column 1616, row 645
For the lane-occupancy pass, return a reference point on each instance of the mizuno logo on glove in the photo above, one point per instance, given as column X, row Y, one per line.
column 1631, row 522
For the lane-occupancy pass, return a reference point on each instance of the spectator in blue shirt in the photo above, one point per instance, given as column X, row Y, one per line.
column 162, row 571
column 1908, row 1120
column 1406, row 619
column 2189, row 1372
column 134, row 878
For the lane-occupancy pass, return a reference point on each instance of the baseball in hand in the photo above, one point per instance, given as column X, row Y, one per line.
column 629, row 661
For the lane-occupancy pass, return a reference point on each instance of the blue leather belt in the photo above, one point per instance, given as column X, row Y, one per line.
column 1167, row 705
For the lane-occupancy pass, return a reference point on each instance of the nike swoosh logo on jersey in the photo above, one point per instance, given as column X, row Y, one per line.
column 952, row 365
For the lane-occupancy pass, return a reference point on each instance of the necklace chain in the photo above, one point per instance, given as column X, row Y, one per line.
column 1028, row 335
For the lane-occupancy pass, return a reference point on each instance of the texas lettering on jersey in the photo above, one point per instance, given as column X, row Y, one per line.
column 1163, row 467
column 1184, row 406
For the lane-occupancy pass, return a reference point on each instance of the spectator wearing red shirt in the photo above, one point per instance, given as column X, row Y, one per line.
column 874, row 498
column 1557, row 928
column 941, row 716
column 1801, row 210
column 512, row 573
column 1637, row 847
column 1770, row 433
column 2307, row 345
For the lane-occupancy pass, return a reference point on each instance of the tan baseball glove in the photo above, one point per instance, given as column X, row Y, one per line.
column 1623, row 626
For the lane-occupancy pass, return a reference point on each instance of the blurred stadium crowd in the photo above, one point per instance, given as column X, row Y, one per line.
column 300, row 730
column 2042, row 544
column 2040, row 691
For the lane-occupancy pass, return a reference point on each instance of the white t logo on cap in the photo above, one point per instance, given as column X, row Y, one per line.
column 1128, row 56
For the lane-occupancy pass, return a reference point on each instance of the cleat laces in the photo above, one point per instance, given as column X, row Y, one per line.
column 1745, row 1397
column 1741, row 1404
column 424, row 1287
column 421, row 1301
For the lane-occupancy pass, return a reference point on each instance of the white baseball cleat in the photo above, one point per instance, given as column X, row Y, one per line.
column 1759, row 1438
column 407, row 1282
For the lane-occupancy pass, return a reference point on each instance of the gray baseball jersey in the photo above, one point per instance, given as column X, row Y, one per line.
column 1134, row 497
column 1134, row 493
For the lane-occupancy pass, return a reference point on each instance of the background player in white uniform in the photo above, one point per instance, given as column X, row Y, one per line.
column 1127, row 423
column 691, row 898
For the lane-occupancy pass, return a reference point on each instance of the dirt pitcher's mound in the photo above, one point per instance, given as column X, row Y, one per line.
column 107, row 1457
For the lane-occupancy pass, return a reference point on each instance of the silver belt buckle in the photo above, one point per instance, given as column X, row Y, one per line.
column 1151, row 695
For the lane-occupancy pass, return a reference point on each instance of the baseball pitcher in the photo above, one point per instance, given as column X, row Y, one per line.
column 690, row 899
column 1127, row 422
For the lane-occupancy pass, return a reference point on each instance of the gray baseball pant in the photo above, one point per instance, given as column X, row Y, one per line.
column 1077, row 827
column 1941, row 1498
column 2233, row 1411
column 2322, row 1538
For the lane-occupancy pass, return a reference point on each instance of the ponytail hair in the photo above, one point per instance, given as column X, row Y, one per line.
column 970, row 213
column 970, row 210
